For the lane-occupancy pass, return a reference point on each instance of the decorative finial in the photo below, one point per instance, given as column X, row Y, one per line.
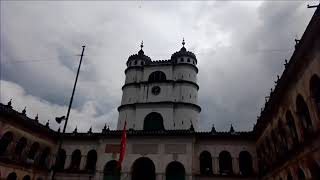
column 90, row 130
column 75, row 130
column 183, row 43
column 285, row 63
column 24, row 111
column 36, row 118
column 104, row 130
column 47, row 124
column 231, row 129
column 213, row 129
column 9, row 103
column 141, row 46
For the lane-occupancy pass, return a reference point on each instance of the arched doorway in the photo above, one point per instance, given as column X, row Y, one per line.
column 43, row 160
column 20, row 146
column 301, row 175
column 111, row 171
column 205, row 163
column 175, row 171
column 26, row 177
column 91, row 160
column 225, row 163
column 33, row 150
column 61, row 159
column 314, row 170
column 12, row 176
column 143, row 169
column 292, row 128
column 303, row 112
column 75, row 160
column 245, row 163
column 5, row 140
column 153, row 121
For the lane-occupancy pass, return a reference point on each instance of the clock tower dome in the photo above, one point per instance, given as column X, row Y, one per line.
column 160, row 95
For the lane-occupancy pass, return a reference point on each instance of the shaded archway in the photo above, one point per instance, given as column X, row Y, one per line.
column 314, row 170
column 26, row 177
column 292, row 127
column 282, row 137
column 111, row 171
column 225, row 163
column 61, row 159
column 153, row 121
column 245, row 163
column 315, row 91
column 43, row 160
column 157, row 76
column 175, row 171
column 12, row 176
column 301, row 175
column 33, row 150
column 75, row 160
column 20, row 145
column 5, row 140
column 91, row 160
column 205, row 163
column 143, row 168
column 289, row 177
column 303, row 112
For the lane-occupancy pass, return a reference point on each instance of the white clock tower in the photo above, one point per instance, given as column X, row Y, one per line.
column 160, row 95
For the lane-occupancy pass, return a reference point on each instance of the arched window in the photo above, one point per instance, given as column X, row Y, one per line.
column 5, row 140
column 43, row 161
column 20, row 145
column 157, row 76
column 175, row 171
column 12, row 176
column 91, row 160
column 61, row 159
column 289, row 177
column 282, row 137
column 315, row 90
column 303, row 112
column 225, row 163
column 205, row 163
column 75, row 160
column 314, row 170
column 292, row 127
column 275, row 142
column 143, row 168
column 26, row 177
column 245, row 163
column 33, row 150
column 153, row 121
column 111, row 171
column 301, row 175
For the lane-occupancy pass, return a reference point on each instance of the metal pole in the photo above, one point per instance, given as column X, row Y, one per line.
column 68, row 113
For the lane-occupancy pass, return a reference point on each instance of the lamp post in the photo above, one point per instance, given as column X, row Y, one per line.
column 59, row 119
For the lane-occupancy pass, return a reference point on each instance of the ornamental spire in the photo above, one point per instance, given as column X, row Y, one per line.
column 141, row 46
column 183, row 43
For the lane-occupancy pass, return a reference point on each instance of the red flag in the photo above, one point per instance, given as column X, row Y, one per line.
column 123, row 145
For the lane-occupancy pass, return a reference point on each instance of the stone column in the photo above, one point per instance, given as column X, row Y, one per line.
column 68, row 161
column 83, row 162
column 215, row 163
column 235, row 165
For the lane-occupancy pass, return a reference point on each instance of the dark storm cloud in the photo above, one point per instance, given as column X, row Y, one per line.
column 240, row 47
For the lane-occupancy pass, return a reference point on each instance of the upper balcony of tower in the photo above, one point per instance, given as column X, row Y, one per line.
column 184, row 56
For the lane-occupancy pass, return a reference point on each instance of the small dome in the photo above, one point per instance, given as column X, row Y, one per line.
column 139, row 56
column 183, row 52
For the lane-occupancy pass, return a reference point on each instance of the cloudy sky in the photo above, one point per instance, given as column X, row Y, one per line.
column 240, row 47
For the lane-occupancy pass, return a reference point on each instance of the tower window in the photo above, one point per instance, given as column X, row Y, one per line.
column 153, row 121
column 182, row 60
column 141, row 63
column 157, row 76
column 135, row 62
column 188, row 60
